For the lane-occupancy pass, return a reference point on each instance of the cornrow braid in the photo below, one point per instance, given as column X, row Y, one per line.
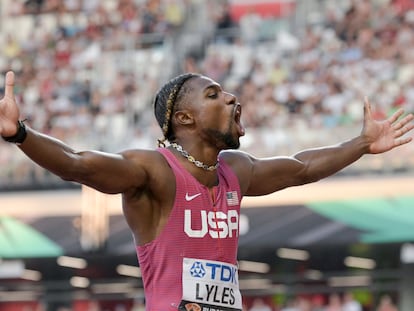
column 164, row 104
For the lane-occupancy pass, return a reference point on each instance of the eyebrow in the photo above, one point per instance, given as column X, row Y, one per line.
column 214, row 86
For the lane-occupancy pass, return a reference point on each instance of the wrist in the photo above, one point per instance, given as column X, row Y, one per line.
column 364, row 142
column 20, row 135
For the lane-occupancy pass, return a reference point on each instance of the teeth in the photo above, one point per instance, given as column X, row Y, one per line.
column 237, row 114
column 238, row 110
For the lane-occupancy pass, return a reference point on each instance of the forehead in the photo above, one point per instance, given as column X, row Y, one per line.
column 202, row 83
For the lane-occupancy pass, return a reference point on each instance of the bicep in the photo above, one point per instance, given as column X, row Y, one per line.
column 265, row 175
column 109, row 173
column 272, row 174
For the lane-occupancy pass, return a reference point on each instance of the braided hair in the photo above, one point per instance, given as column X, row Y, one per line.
column 164, row 103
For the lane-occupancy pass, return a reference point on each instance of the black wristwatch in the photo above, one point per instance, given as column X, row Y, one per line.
column 20, row 136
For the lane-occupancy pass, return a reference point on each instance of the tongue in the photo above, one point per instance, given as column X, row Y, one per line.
column 240, row 129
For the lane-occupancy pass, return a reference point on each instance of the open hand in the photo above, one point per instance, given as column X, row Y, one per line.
column 386, row 134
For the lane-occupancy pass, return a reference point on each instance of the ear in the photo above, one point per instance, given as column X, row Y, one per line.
column 184, row 117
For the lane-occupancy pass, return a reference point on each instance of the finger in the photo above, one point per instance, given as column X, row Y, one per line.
column 407, row 118
column 9, row 86
column 403, row 141
column 367, row 107
column 403, row 130
column 397, row 126
column 403, row 121
column 396, row 115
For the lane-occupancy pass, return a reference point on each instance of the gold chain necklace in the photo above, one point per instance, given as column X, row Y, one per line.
column 191, row 159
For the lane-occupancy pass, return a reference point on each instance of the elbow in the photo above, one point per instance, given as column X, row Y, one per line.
column 307, row 177
column 77, row 170
column 304, row 181
column 72, row 176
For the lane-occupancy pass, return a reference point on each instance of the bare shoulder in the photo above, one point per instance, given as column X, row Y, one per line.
column 151, row 163
column 236, row 158
column 143, row 156
column 150, row 160
column 242, row 164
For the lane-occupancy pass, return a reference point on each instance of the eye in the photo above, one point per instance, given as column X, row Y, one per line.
column 212, row 95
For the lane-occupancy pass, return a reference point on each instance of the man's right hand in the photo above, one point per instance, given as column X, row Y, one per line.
column 9, row 111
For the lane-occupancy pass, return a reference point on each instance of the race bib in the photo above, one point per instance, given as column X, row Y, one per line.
column 210, row 286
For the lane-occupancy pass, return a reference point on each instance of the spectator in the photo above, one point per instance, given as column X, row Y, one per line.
column 350, row 304
column 260, row 305
column 386, row 304
column 334, row 303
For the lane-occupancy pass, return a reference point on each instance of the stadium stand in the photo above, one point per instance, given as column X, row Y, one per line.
column 87, row 71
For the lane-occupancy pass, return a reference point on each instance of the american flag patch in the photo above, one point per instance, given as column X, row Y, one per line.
column 232, row 198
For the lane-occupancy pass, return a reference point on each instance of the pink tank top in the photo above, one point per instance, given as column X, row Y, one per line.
column 198, row 245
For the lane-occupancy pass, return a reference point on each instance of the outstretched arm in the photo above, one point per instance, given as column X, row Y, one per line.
column 264, row 176
column 111, row 173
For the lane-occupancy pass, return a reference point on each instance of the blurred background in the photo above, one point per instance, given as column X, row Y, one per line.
column 86, row 73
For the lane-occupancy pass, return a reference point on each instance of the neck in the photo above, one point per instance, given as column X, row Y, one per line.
column 191, row 159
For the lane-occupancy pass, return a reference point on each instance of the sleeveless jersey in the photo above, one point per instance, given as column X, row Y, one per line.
column 195, row 255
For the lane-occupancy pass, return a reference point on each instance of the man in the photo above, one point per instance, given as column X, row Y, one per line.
column 182, row 202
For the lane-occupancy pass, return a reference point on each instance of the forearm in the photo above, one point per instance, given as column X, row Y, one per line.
column 49, row 153
column 323, row 162
column 109, row 173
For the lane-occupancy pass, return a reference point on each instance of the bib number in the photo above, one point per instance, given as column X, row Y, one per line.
column 210, row 286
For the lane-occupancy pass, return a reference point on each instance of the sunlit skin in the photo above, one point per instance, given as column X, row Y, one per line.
column 226, row 137
column 208, row 116
column 207, row 125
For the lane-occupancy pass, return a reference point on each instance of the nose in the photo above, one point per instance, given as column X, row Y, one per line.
column 231, row 99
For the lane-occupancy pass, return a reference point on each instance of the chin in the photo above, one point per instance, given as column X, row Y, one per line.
column 225, row 141
column 232, row 144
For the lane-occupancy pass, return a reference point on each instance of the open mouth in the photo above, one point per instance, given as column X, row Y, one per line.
column 237, row 119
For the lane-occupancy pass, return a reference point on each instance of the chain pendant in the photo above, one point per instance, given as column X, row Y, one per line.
column 191, row 159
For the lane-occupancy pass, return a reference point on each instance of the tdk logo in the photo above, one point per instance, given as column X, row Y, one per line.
column 197, row 270
column 214, row 271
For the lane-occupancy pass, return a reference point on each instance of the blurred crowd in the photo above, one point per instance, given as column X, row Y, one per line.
column 346, row 301
column 332, row 302
column 307, row 88
column 87, row 72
